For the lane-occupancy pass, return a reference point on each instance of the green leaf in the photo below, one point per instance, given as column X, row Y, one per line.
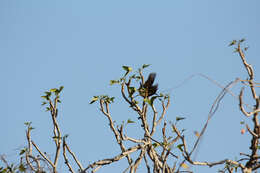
column 146, row 65
column 22, row 168
column 153, row 98
column 53, row 90
column 156, row 144
column 28, row 123
column 48, row 94
column 57, row 92
column 61, row 88
column 94, row 99
column 165, row 144
column 242, row 122
column 44, row 97
column 111, row 100
column 112, row 82
column 129, row 121
column 242, row 40
column 22, row 151
column 126, row 68
column 180, row 147
column 48, row 109
column 148, row 101
column 43, row 103
column 232, row 43
column 180, row 118
column 131, row 90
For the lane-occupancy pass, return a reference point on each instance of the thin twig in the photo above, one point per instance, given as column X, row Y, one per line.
column 74, row 157
column 66, row 158
column 43, row 155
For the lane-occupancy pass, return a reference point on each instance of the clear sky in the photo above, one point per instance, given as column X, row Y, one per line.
column 83, row 44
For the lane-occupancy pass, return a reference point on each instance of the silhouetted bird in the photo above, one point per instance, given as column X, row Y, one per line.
column 148, row 89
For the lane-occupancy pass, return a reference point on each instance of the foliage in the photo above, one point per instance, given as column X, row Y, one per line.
column 157, row 154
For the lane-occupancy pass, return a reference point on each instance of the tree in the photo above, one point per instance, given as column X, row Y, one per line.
column 167, row 154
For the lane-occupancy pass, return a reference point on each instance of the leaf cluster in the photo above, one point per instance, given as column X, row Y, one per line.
column 236, row 43
column 105, row 98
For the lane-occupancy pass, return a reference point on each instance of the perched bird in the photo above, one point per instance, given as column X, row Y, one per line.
column 148, row 89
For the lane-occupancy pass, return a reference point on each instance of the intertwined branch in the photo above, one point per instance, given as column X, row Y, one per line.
column 253, row 158
column 158, row 155
column 147, row 145
column 253, row 162
column 59, row 140
column 159, row 161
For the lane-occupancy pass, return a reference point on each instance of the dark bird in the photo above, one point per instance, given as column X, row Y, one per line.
column 148, row 89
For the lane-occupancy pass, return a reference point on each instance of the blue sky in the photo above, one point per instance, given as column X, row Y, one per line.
column 83, row 44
